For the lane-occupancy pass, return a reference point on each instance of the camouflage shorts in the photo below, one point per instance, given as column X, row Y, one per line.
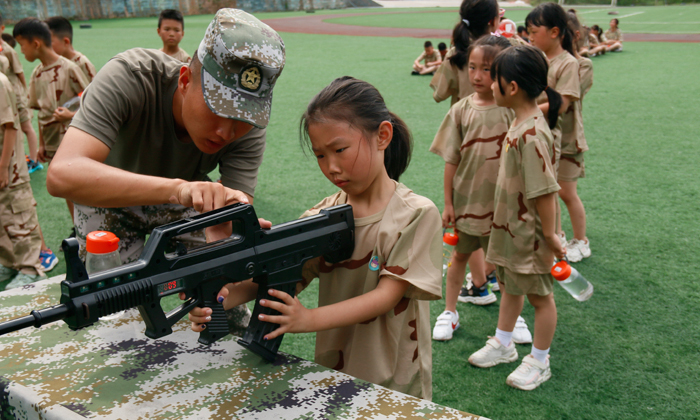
column 133, row 224
column 25, row 114
column 571, row 168
column 20, row 240
column 469, row 243
column 525, row 284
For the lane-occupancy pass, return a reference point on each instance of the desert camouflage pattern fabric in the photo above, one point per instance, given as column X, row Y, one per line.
column 451, row 82
column 403, row 242
column 85, row 65
column 4, row 64
column 20, row 241
column 50, row 87
column 573, row 138
column 585, row 74
column 429, row 58
column 562, row 77
column 592, row 40
column 615, row 35
column 471, row 137
column 515, row 40
column 111, row 371
column 526, row 172
column 14, row 69
column 132, row 224
column 241, row 58
column 181, row 55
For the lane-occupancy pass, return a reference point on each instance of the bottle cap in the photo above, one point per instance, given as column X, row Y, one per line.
column 101, row 242
column 450, row 238
column 561, row 270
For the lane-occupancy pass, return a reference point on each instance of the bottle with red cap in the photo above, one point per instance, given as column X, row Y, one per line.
column 449, row 241
column 102, row 251
column 572, row 281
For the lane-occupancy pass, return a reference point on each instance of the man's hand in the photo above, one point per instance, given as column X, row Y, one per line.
column 206, row 196
column 63, row 114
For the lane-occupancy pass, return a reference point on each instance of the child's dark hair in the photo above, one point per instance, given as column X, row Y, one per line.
column 551, row 15
column 61, row 27
column 575, row 26
column 617, row 22
column 31, row 28
column 427, row 44
column 598, row 32
column 9, row 39
column 521, row 28
column 491, row 46
column 442, row 46
column 474, row 16
column 527, row 66
column 360, row 104
column 173, row 15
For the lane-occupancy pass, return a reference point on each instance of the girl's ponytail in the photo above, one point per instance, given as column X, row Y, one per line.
column 398, row 155
column 555, row 102
column 475, row 16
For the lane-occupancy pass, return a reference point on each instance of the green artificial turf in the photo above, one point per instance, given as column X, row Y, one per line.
column 648, row 19
column 631, row 351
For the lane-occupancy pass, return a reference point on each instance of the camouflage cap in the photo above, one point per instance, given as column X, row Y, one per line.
column 241, row 60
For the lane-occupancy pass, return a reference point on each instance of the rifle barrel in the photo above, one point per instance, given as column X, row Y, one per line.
column 36, row 319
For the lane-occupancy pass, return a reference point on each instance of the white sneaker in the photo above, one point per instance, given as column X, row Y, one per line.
column 494, row 353
column 446, row 324
column 521, row 334
column 530, row 374
column 577, row 250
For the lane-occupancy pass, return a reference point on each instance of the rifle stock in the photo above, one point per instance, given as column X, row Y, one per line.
column 274, row 258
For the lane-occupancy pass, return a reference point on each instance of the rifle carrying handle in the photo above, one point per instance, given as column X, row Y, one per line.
column 253, row 338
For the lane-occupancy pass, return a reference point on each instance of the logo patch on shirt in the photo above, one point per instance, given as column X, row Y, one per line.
column 374, row 263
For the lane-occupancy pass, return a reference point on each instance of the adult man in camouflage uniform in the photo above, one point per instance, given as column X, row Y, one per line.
column 150, row 129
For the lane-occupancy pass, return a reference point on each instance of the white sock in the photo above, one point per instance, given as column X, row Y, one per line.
column 504, row 337
column 540, row 355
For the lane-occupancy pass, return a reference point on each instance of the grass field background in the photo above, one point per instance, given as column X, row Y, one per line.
column 631, row 351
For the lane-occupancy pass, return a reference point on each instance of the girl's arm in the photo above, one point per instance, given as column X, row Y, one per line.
column 448, row 215
column 547, row 209
column 295, row 318
column 566, row 100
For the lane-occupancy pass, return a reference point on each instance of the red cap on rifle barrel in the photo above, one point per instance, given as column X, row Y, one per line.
column 101, row 242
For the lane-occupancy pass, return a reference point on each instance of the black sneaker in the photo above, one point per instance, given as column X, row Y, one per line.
column 477, row 295
column 415, row 73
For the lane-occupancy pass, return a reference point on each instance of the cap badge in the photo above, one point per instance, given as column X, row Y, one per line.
column 250, row 78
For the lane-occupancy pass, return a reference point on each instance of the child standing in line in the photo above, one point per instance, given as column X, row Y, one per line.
column 373, row 318
column 171, row 29
column 20, row 242
column 523, row 239
column 477, row 18
column 571, row 164
column 62, row 44
column 469, row 140
column 16, row 75
column 549, row 30
column 53, row 83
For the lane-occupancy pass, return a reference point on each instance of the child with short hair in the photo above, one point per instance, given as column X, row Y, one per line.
column 15, row 73
column 373, row 317
column 523, row 237
column 469, row 140
column 62, row 44
column 432, row 60
column 171, row 29
column 614, row 36
column 442, row 49
column 53, row 83
column 20, row 242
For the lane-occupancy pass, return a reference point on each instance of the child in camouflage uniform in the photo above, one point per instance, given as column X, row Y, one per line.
column 469, row 140
column 523, row 240
column 20, row 242
column 373, row 317
column 62, row 44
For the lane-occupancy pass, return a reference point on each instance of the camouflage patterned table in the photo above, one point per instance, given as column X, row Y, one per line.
column 113, row 371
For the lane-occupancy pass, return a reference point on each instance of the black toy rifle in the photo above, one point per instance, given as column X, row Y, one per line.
column 272, row 257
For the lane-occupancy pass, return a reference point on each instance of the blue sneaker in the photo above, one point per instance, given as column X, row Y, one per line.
column 48, row 260
column 33, row 166
column 491, row 278
column 478, row 296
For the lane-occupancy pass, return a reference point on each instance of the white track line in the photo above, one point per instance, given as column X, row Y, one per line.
column 631, row 14
column 591, row 11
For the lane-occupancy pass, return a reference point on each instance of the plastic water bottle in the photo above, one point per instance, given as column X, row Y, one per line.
column 572, row 281
column 449, row 241
column 73, row 103
column 102, row 254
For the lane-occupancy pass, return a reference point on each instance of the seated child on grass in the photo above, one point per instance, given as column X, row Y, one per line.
column 430, row 57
